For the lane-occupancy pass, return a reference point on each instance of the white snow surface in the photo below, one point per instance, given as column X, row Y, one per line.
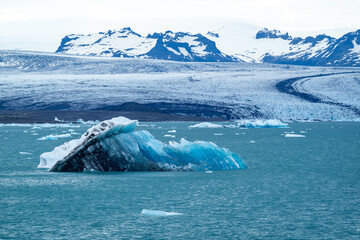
column 124, row 41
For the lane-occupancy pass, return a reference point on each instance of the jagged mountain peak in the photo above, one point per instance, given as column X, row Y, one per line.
column 234, row 43
column 266, row 33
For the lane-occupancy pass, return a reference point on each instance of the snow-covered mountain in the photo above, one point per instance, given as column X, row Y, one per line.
column 251, row 44
column 178, row 46
column 245, row 43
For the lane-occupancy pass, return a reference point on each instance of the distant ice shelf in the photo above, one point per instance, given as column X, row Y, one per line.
column 116, row 145
column 272, row 123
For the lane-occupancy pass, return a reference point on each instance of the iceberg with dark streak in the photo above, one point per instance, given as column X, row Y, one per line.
column 116, row 145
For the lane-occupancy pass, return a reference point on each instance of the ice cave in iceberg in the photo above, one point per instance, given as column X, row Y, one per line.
column 116, row 145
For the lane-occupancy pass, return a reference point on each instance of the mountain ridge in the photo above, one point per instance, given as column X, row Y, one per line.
column 222, row 45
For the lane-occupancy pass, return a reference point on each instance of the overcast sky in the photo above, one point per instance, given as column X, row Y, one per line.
column 40, row 24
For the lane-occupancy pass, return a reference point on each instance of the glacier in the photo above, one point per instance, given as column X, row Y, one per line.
column 59, row 84
column 116, row 145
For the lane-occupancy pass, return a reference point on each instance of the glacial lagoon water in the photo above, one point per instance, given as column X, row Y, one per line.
column 295, row 188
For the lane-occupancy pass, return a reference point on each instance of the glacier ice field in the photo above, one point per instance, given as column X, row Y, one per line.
column 48, row 81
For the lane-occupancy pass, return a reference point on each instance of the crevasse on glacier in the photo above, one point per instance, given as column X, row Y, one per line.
column 115, row 145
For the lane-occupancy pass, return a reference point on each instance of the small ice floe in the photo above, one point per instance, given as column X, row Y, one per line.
column 87, row 122
column 206, row 125
column 58, row 120
column 55, row 137
column 252, row 141
column 218, row 134
column 303, row 132
column 289, row 132
column 25, row 153
column 25, row 131
column 293, row 135
column 34, row 134
column 237, row 133
column 172, row 131
column 168, row 135
column 148, row 212
column 143, row 125
column 209, row 172
column 230, row 126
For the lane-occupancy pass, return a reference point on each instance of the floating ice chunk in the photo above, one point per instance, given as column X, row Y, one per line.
column 293, row 135
column 58, row 120
column 172, row 131
column 230, row 126
column 115, row 145
column 168, row 135
column 25, row 153
column 55, row 137
column 48, row 159
column 35, row 134
column 302, row 131
column 252, row 141
column 218, row 134
column 148, row 212
column 272, row 123
column 209, row 172
column 87, row 122
column 206, row 125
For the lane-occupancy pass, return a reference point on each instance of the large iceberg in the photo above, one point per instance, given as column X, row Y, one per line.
column 116, row 145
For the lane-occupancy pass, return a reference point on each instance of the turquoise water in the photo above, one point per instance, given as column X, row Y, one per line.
column 295, row 188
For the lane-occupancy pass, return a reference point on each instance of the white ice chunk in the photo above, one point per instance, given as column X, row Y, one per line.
column 148, row 212
column 293, row 135
column 25, row 153
column 168, row 135
column 271, row 123
column 48, row 159
column 55, row 137
column 206, row 125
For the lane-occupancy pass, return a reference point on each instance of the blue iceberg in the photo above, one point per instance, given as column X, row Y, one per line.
column 116, row 145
